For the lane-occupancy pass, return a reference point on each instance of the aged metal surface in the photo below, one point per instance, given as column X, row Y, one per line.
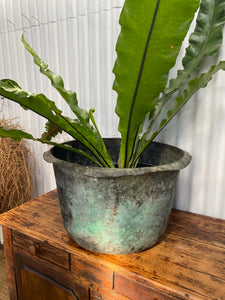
column 117, row 211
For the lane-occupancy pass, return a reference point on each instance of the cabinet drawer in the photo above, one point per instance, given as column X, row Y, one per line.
column 42, row 250
column 91, row 274
column 135, row 290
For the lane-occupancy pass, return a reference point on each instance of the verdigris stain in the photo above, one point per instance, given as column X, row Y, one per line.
column 118, row 211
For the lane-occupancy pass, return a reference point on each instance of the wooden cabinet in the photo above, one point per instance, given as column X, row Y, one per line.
column 34, row 283
column 40, row 277
column 44, row 263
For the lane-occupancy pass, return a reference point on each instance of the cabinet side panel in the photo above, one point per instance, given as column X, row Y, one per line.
column 7, row 238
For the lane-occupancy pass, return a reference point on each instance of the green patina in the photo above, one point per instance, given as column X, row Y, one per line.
column 116, row 212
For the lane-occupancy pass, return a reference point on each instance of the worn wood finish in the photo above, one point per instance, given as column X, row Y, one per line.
column 91, row 273
column 48, row 281
column 188, row 263
column 38, row 286
column 197, row 227
column 23, row 259
column 135, row 290
column 41, row 249
column 105, row 294
column 7, row 237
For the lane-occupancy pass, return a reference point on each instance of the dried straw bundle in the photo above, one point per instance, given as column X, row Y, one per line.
column 16, row 170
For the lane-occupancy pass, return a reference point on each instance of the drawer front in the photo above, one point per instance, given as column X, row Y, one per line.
column 91, row 274
column 42, row 250
column 105, row 294
column 136, row 291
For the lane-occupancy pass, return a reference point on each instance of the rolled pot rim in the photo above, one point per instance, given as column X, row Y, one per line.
column 95, row 171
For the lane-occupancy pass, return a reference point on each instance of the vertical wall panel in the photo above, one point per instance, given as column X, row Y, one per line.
column 77, row 39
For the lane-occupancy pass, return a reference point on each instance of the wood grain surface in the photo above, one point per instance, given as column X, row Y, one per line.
column 7, row 237
column 188, row 263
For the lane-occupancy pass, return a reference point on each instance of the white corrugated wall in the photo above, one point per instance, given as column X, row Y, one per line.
column 77, row 40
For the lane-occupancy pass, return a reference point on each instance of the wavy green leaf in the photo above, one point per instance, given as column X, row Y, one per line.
column 204, row 41
column 58, row 84
column 46, row 108
column 17, row 135
column 99, row 149
column 147, row 47
column 193, row 86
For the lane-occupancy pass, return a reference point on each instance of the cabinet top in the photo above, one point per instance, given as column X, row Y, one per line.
column 189, row 259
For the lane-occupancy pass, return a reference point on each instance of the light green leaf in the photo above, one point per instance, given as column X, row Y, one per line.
column 17, row 135
column 46, row 108
column 58, row 84
column 150, row 39
column 89, row 133
column 204, row 41
column 193, row 86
